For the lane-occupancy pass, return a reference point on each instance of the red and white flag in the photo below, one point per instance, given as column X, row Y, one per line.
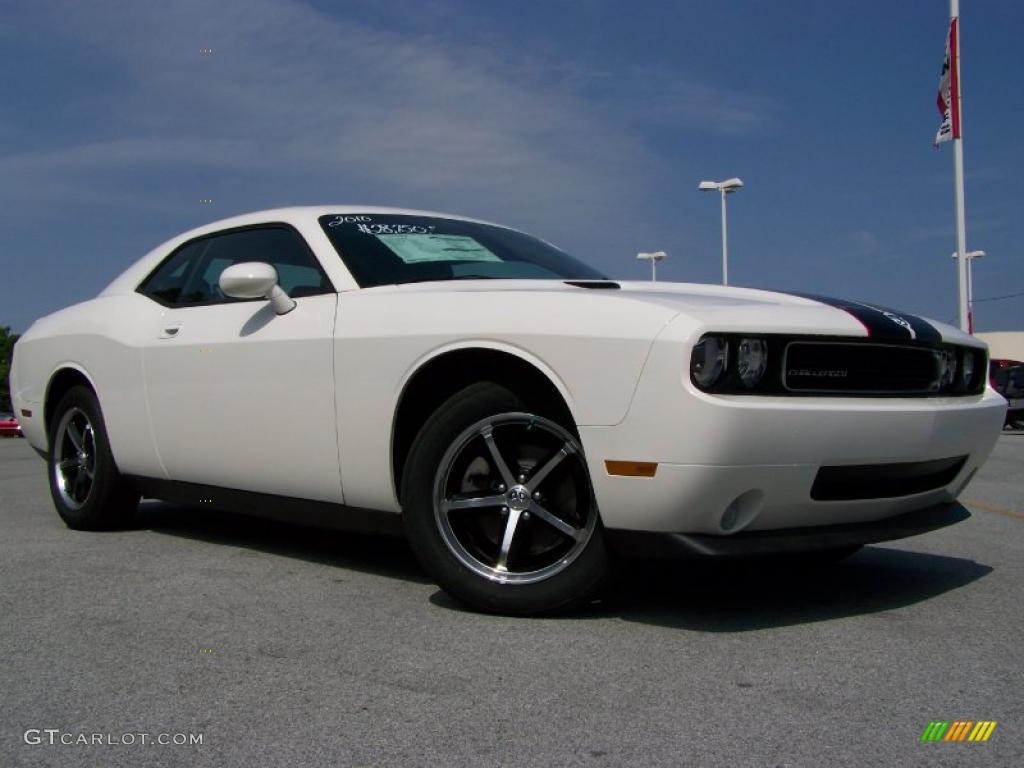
column 949, row 90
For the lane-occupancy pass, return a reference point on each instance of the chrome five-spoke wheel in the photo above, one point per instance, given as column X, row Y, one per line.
column 512, row 498
column 74, row 467
column 498, row 504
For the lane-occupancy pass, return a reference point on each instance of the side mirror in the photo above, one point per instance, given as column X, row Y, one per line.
column 256, row 280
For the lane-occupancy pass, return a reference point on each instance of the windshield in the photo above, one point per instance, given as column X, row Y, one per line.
column 384, row 249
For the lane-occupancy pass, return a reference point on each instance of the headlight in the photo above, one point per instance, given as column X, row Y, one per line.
column 708, row 362
column 946, row 363
column 967, row 372
column 751, row 360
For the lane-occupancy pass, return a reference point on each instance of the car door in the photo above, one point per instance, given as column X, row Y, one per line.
column 240, row 397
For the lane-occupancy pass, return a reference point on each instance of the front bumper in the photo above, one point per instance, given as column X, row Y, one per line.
column 732, row 464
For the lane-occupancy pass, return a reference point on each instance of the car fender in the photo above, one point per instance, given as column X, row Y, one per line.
column 384, row 336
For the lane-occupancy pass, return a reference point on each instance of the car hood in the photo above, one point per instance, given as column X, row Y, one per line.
column 727, row 308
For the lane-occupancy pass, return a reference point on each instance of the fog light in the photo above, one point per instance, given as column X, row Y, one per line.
column 708, row 361
column 751, row 361
column 743, row 510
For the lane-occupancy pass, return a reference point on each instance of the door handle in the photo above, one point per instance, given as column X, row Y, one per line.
column 170, row 330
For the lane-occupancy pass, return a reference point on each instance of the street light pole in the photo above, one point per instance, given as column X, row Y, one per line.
column 969, row 259
column 725, row 243
column 724, row 188
column 654, row 258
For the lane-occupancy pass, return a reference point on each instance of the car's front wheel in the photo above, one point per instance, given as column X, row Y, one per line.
column 86, row 487
column 499, row 507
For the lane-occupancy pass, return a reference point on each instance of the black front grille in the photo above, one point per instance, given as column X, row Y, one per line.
column 859, row 368
column 884, row 481
column 841, row 366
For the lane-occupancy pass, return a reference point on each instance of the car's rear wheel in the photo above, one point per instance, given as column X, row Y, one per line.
column 499, row 507
column 86, row 487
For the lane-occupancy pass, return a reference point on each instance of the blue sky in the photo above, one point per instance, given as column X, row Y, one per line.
column 587, row 123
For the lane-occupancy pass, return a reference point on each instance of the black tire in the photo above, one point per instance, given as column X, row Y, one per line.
column 85, row 484
column 457, row 544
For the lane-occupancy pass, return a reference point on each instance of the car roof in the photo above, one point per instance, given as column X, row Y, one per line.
column 316, row 211
column 300, row 216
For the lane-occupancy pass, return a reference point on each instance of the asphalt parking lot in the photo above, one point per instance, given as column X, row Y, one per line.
column 286, row 646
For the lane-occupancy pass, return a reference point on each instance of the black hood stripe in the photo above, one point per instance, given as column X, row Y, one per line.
column 881, row 322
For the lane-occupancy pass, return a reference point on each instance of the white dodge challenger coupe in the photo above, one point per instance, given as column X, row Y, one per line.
column 521, row 416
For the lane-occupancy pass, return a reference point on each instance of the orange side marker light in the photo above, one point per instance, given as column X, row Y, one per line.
column 632, row 468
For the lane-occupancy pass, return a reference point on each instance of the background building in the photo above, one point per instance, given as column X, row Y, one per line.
column 1004, row 344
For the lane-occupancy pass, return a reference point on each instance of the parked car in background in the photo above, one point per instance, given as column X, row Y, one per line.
column 997, row 363
column 9, row 425
column 1007, row 378
column 524, row 417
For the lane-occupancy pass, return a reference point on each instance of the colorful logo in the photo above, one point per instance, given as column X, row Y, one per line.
column 958, row 730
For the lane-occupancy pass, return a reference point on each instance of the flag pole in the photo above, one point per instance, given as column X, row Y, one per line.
column 958, row 167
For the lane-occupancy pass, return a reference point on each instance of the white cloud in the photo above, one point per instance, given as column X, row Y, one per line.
column 288, row 88
column 402, row 118
column 657, row 95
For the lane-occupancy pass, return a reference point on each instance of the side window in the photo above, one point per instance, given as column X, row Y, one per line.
column 298, row 271
column 191, row 275
column 166, row 282
column 300, row 279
